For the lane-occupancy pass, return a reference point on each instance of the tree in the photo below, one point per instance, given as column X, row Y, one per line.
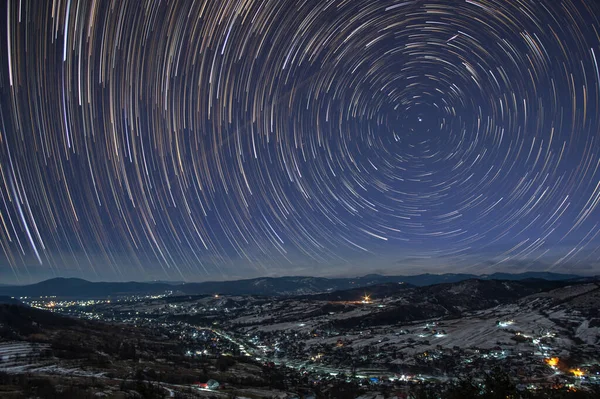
column 499, row 385
column 344, row 390
column 224, row 363
column 463, row 389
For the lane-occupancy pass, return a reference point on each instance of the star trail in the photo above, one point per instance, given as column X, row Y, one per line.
column 215, row 139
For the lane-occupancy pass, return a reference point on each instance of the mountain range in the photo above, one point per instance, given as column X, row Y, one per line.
column 267, row 286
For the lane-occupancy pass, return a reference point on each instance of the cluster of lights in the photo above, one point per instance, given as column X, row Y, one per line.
column 577, row 373
column 506, row 323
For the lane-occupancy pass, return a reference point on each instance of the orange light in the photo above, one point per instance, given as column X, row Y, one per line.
column 552, row 362
column 577, row 373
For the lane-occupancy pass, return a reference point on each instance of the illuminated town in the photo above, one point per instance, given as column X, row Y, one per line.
column 321, row 340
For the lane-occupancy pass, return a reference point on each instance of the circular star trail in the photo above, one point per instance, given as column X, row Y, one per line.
column 228, row 138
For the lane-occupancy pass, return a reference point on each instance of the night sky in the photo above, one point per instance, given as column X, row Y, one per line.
column 236, row 138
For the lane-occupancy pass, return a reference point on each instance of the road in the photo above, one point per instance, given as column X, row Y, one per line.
column 297, row 364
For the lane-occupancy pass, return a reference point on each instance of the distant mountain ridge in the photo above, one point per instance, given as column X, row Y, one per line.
column 267, row 286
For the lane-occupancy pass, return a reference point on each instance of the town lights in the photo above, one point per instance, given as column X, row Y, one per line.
column 577, row 373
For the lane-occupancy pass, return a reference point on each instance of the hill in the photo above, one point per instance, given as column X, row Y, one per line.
column 46, row 355
column 76, row 287
column 426, row 329
column 445, row 300
column 268, row 286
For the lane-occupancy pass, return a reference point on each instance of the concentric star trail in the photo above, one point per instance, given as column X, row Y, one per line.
column 237, row 137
